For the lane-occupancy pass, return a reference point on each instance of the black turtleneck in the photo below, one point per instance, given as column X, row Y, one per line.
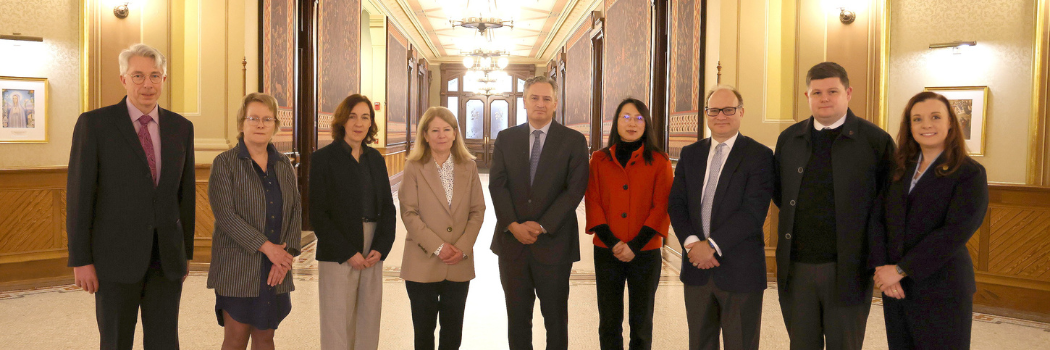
column 624, row 150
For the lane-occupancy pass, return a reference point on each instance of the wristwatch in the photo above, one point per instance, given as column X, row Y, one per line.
column 901, row 271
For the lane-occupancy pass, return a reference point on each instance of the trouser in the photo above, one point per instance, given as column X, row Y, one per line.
column 351, row 302
column 524, row 280
column 813, row 316
column 117, row 312
column 429, row 300
column 711, row 310
column 642, row 276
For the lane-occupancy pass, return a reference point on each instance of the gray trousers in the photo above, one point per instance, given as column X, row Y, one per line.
column 812, row 315
column 710, row 310
column 351, row 302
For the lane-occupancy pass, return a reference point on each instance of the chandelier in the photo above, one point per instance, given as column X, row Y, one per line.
column 488, row 83
column 482, row 15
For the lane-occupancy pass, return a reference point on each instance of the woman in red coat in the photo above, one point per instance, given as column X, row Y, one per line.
column 627, row 212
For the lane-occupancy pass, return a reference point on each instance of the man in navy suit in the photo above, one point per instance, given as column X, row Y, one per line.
column 718, row 203
column 130, row 205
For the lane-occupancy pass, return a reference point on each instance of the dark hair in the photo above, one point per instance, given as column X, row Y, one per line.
column 648, row 139
column 342, row 114
column 954, row 144
column 824, row 70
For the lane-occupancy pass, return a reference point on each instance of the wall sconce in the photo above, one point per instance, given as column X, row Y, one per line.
column 955, row 45
column 121, row 10
column 846, row 16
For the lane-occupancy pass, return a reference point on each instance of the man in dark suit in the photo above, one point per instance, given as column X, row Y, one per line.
column 130, row 207
column 829, row 170
column 718, row 204
column 538, row 178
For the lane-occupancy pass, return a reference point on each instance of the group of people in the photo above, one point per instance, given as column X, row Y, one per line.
column 854, row 211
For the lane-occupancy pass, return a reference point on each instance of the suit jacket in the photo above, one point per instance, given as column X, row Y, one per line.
column 112, row 205
column 925, row 232
column 238, row 202
column 862, row 158
column 560, row 183
column 335, row 211
column 431, row 221
column 627, row 198
column 738, row 212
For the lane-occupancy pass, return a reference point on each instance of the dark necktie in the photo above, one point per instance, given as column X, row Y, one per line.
column 147, row 146
column 534, row 157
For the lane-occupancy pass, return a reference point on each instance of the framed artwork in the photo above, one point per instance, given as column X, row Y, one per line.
column 23, row 110
column 971, row 106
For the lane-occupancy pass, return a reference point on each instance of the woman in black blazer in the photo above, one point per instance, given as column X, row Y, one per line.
column 352, row 213
column 937, row 200
column 258, row 223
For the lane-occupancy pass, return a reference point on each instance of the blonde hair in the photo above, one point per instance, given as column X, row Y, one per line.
column 267, row 100
column 142, row 50
column 421, row 148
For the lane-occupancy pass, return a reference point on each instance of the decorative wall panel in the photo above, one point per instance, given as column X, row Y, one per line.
column 397, row 81
column 1019, row 241
column 684, row 76
column 27, row 222
column 627, row 56
column 278, row 68
column 339, row 59
column 579, row 92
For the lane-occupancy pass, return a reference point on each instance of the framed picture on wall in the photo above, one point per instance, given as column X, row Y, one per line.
column 23, row 110
column 971, row 106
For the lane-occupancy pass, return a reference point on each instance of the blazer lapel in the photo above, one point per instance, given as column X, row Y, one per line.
column 170, row 148
column 289, row 192
column 460, row 180
column 433, row 180
column 736, row 155
column 927, row 176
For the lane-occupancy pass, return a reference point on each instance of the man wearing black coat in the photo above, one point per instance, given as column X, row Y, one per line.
column 130, row 207
column 829, row 171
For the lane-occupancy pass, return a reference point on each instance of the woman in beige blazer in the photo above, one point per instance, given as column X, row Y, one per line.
column 442, row 206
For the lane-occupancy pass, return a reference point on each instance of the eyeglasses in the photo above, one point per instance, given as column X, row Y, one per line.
column 257, row 120
column 728, row 111
column 139, row 78
column 628, row 117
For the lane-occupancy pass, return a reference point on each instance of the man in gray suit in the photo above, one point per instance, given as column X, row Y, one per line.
column 538, row 178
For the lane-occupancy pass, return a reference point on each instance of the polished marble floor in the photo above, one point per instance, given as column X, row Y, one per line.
column 63, row 317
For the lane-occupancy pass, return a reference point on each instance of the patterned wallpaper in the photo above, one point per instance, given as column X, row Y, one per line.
column 627, row 47
column 58, row 60
column 578, row 85
column 339, row 43
column 684, row 76
column 279, row 66
column 396, row 87
column 1002, row 60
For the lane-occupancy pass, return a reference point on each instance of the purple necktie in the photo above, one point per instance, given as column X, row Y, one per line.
column 147, row 145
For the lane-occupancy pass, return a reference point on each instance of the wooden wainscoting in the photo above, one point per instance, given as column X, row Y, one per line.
column 33, row 243
column 395, row 162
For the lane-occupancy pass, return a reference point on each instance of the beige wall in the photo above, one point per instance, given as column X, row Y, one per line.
column 766, row 47
column 58, row 60
column 1002, row 60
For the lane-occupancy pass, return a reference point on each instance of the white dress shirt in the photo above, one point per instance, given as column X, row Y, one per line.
column 817, row 125
column 707, row 174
